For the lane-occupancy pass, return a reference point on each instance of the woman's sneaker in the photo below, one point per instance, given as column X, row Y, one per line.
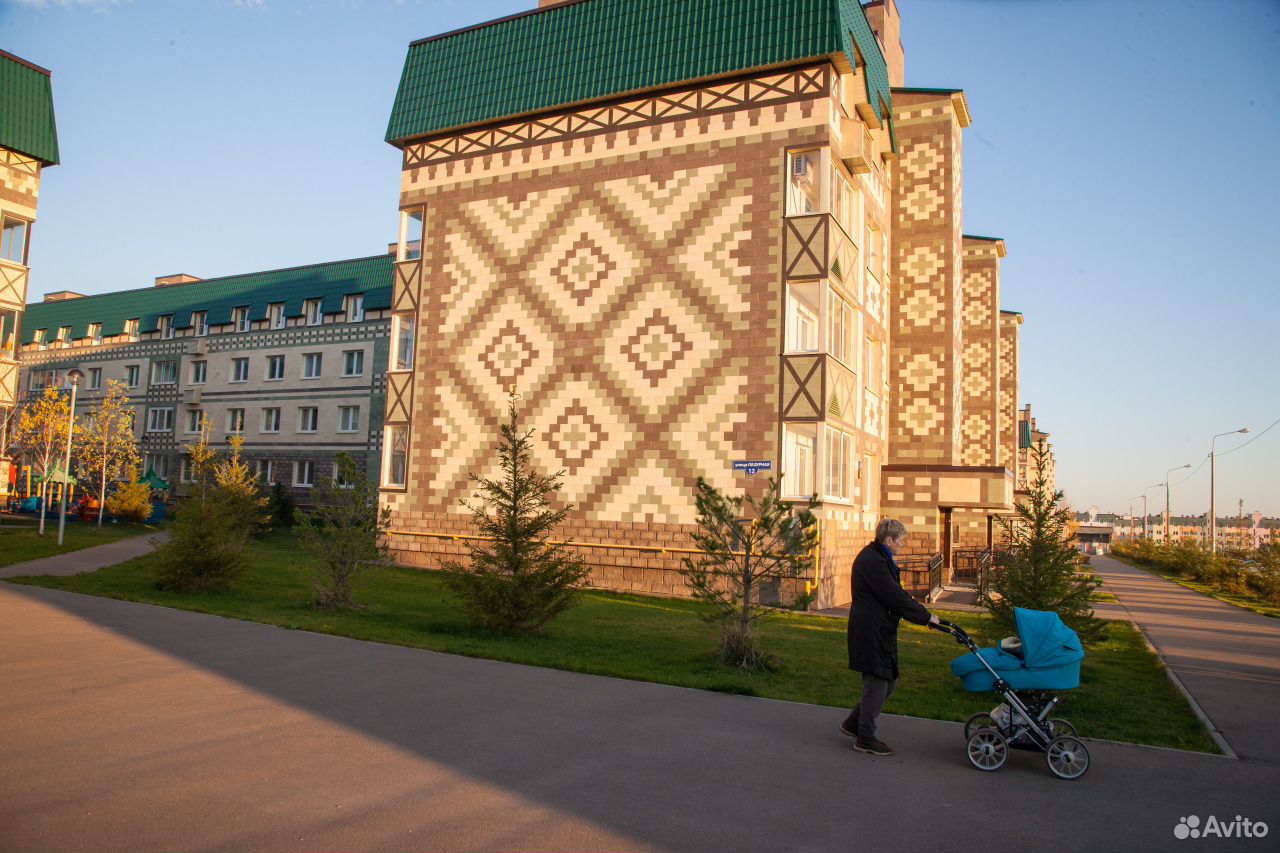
column 872, row 745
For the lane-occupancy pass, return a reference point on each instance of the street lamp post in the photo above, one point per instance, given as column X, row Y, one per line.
column 74, row 375
column 1213, row 509
column 1168, row 516
column 1145, row 533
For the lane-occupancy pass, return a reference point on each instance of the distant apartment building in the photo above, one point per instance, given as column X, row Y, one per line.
column 1232, row 533
column 28, row 145
column 293, row 360
column 731, row 236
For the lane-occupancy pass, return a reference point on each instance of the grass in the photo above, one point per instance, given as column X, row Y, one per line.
column 20, row 542
column 1246, row 600
column 1124, row 695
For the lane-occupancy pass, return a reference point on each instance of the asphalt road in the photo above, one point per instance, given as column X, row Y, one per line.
column 129, row 727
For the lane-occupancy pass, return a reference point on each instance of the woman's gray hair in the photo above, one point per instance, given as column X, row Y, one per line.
column 889, row 528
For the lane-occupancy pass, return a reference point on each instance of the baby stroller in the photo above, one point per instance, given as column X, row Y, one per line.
column 1045, row 656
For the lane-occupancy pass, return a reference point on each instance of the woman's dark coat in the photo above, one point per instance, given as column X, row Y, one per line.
column 878, row 602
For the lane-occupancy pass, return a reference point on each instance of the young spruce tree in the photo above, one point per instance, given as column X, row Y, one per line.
column 515, row 580
column 1037, row 568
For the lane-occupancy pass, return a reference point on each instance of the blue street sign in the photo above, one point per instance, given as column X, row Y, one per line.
column 752, row 466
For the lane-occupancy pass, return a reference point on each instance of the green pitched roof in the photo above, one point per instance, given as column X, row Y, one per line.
column 592, row 49
column 26, row 109
column 330, row 282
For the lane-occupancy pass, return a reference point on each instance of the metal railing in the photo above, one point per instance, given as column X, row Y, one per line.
column 921, row 574
column 970, row 564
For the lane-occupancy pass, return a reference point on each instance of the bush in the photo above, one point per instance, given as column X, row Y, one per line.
column 344, row 531
column 131, row 501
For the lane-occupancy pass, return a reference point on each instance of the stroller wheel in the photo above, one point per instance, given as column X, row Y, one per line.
column 988, row 750
column 981, row 720
column 1067, row 757
column 1063, row 727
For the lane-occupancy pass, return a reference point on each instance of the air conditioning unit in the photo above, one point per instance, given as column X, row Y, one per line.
column 191, row 396
column 800, row 165
column 200, row 346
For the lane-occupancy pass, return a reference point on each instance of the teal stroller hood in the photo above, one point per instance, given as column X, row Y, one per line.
column 1049, row 659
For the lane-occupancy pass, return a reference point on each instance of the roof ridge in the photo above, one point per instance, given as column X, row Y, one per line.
column 18, row 59
column 538, row 10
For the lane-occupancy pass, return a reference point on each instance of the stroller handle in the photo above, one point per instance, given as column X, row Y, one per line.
column 962, row 637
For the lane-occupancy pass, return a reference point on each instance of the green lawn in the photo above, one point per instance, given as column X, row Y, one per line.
column 20, row 541
column 1124, row 695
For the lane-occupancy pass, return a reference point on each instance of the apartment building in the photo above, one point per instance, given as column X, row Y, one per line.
column 28, row 145
column 726, row 238
column 293, row 360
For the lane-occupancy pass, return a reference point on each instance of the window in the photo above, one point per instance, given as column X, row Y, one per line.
column 311, row 365
column 798, row 461
column 340, row 481
column 308, row 417
column 844, row 205
column 95, row 378
column 131, row 376
column 275, row 315
column 355, row 307
column 353, row 362
column 304, row 474
column 199, row 372
column 804, row 182
column 160, row 419
column 840, row 330
column 131, row 329
column 402, row 331
column 39, row 338
column 803, row 306
column 348, row 418
column 184, row 470
column 164, row 372
column 239, row 370
column 265, row 470
column 166, row 327
column 13, row 239
column 64, row 335
column 193, row 421
column 240, row 318
column 395, row 456
column 158, row 464
column 311, row 310
column 95, row 333
column 271, row 420
column 200, row 322
column 235, row 420
column 410, row 244
column 839, row 456
column 275, row 367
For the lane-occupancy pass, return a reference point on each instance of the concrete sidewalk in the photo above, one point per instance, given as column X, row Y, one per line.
column 1228, row 658
column 87, row 559
column 136, row 727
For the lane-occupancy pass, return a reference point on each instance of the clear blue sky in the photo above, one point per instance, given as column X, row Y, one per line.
column 1126, row 150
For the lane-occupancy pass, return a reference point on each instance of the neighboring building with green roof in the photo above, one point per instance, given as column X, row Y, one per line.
column 28, row 144
column 292, row 359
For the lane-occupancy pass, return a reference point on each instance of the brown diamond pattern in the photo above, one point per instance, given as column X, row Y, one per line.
column 575, row 436
column 583, row 268
column 656, row 347
column 508, row 354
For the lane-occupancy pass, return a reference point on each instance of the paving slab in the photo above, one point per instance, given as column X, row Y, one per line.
column 133, row 727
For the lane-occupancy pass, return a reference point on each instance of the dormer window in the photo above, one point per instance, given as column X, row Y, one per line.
column 95, row 333
column 200, row 322
column 275, row 315
column 311, row 310
column 64, row 335
column 40, row 338
column 355, row 307
column 240, row 318
column 166, row 327
column 131, row 329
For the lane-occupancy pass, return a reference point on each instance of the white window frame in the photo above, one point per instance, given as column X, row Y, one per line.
column 312, row 311
column 312, row 365
column 94, row 378
column 193, row 422
column 841, row 326
column 309, row 467
column 388, row 443
column 235, row 421
column 163, row 423
column 8, row 243
column 275, row 315
column 398, row 323
column 344, row 417
column 839, row 451
column 265, row 470
column 240, row 318
column 199, row 372
column 236, row 364
column 271, row 419
column 804, row 322
column 799, row 463
column 315, row 419
column 132, row 373
column 354, row 307
column 164, row 372
column 95, row 333
column 166, row 327
column 799, row 178
column 407, row 247
column 347, row 358
column 274, row 375
column 131, row 329
column 200, row 323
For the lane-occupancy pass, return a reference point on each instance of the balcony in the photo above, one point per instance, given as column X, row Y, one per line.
column 8, row 382
column 817, row 387
column 814, row 246
column 13, row 285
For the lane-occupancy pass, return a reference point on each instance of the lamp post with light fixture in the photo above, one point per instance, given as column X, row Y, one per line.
column 1213, row 509
column 74, row 375
column 1168, row 516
